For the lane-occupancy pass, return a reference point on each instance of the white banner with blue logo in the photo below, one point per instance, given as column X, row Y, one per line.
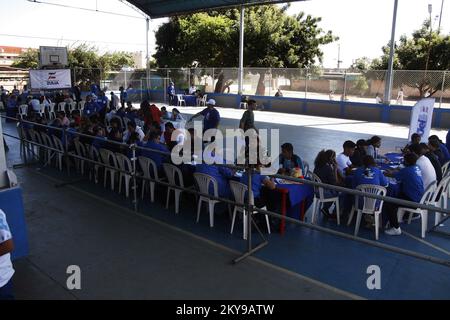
column 50, row 79
column 421, row 118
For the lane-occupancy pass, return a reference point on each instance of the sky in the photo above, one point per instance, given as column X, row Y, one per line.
column 363, row 26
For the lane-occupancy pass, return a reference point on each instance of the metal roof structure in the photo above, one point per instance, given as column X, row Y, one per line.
column 166, row 8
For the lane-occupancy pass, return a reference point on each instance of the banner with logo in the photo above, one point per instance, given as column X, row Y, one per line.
column 421, row 118
column 50, row 79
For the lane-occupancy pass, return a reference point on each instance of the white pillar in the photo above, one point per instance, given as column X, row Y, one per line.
column 389, row 78
column 241, row 52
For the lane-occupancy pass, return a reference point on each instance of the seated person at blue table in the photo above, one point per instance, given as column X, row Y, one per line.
column 153, row 142
column 411, row 189
column 220, row 173
column 360, row 152
column 344, row 165
column 442, row 147
column 325, row 167
column 369, row 174
column 373, row 144
column 289, row 160
column 415, row 139
column 258, row 182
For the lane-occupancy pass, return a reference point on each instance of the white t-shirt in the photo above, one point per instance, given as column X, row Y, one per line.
column 36, row 105
column 428, row 172
column 343, row 162
column 6, row 268
column 192, row 90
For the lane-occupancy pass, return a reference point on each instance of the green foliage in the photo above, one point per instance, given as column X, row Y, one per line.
column 272, row 39
column 27, row 60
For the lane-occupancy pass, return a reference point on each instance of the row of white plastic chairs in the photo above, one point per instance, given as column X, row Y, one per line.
column 435, row 195
column 50, row 109
column 117, row 166
column 200, row 101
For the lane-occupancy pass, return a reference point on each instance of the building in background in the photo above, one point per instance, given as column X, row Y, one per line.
column 8, row 55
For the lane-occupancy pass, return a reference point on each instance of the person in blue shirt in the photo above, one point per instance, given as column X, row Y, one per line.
column 442, row 147
column 102, row 102
column 411, row 189
column 171, row 93
column 123, row 96
column 153, row 142
column 369, row 174
column 90, row 107
column 94, row 88
column 221, row 174
column 258, row 182
column 100, row 140
column 211, row 117
column 289, row 160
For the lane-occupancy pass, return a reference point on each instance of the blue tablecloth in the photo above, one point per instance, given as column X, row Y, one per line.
column 190, row 100
column 297, row 194
column 394, row 157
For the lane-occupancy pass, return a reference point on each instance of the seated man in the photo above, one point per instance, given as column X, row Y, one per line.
column 425, row 150
column 442, row 147
column 151, row 148
column 415, row 139
column 412, row 189
column 289, row 160
column 425, row 165
column 131, row 128
column 433, row 145
column 360, row 152
column 344, row 165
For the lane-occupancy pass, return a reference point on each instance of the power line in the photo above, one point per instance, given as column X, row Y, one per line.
column 73, row 40
column 84, row 9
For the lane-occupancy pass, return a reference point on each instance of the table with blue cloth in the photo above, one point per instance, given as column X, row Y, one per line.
column 295, row 200
column 393, row 157
column 191, row 100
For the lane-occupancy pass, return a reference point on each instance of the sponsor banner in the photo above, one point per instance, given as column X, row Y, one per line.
column 421, row 118
column 50, row 79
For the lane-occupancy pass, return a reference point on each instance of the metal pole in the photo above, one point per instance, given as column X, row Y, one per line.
column 306, row 84
column 442, row 90
column 440, row 16
column 249, row 208
column 388, row 85
column 3, row 168
column 344, row 94
column 241, row 52
column 147, row 57
column 135, row 202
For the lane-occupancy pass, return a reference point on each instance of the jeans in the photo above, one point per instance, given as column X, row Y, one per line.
column 6, row 292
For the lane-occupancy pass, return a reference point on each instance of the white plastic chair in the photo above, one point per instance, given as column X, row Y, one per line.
column 81, row 106
column 181, row 100
column 23, row 111
column 125, row 122
column 202, row 101
column 369, row 206
column 445, row 168
column 24, row 146
column 51, row 112
column 109, row 158
column 203, row 183
column 239, row 191
column 47, row 142
column 2, row 106
column 175, row 177
column 243, row 105
column 81, row 152
column 150, row 171
column 41, row 111
column 61, row 106
column 440, row 197
column 427, row 199
column 36, row 138
column 319, row 201
column 72, row 107
column 94, row 155
column 60, row 155
column 124, row 164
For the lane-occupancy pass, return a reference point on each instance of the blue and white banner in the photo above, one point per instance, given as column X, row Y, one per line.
column 421, row 118
column 50, row 79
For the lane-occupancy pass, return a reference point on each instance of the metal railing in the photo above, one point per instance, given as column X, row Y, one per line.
column 249, row 206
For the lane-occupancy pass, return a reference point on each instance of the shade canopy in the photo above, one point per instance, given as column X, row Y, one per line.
column 167, row 8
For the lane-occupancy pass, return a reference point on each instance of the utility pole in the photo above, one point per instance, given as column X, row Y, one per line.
column 389, row 78
column 440, row 16
column 339, row 61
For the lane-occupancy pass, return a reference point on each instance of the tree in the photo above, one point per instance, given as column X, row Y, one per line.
column 361, row 64
column 87, row 65
column 425, row 50
column 273, row 39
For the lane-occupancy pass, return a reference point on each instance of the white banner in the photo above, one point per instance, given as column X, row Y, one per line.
column 50, row 79
column 421, row 118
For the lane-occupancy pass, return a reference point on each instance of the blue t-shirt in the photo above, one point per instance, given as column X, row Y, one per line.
column 171, row 90
column 371, row 175
column 445, row 152
column 295, row 161
column 90, row 108
column 411, row 182
column 211, row 118
column 123, row 96
column 159, row 158
column 257, row 182
column 221, row 174
column 102, row 103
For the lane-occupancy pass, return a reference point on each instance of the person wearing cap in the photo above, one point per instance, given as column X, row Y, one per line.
column 211, row 117
column 344, row 165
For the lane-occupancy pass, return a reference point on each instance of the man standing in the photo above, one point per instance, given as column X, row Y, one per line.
column 114, row 103
column 171, row 93
column 123, row 96
column 6, row 268
column 211, row 117
column 248, row 118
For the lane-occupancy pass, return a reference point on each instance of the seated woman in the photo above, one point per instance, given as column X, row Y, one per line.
column 325, row 167
column 415, row 139
column 360, row 152
column 176, row 115
column 373, row 146
column 412, row 189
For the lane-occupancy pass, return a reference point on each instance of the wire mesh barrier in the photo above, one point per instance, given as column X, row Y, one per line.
column 46, row 143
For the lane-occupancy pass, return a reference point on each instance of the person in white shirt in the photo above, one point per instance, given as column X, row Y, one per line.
column 35, row 104
column 133, row 128
column 192, row 89
column 344, row 165
column 400, row 96
column 378, row 99
column 425, row 165
column 6, row 267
